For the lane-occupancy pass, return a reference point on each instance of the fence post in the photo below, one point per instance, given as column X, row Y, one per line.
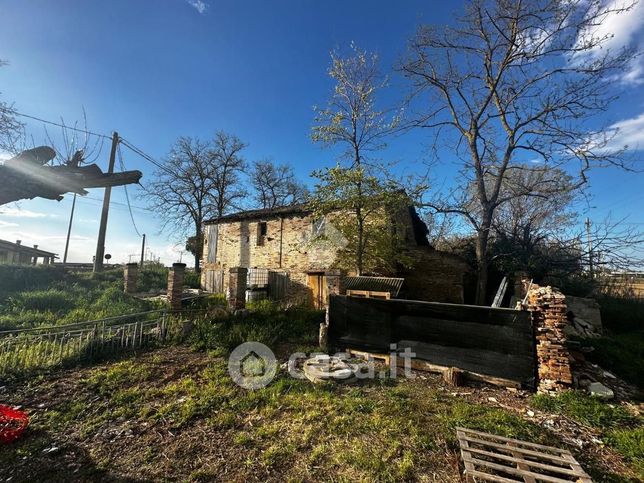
column 131, row 277
column 237, row 279
column 175, row 285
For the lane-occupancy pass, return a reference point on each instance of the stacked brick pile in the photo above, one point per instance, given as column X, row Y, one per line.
column 548, row 307
column 175, row 285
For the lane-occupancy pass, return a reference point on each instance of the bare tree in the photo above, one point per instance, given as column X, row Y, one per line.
column 515, row 81
column 11, row 129
column 352, row 121
column 198, row 180
column 275, row 185
column 226, row 152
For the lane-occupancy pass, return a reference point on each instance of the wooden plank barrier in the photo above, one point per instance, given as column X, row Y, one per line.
column 492, row 344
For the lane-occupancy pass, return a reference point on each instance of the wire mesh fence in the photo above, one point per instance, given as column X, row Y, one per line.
column 26, row 350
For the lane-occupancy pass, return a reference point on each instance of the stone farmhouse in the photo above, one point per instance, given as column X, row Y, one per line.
column 285, row 245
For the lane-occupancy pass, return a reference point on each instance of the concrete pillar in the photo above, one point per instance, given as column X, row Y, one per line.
column 237, row 279
column 175, row 285
column 131, row 277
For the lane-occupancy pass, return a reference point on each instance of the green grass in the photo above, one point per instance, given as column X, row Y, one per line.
column 377, row 431
column 50, row 296
column 621, row 429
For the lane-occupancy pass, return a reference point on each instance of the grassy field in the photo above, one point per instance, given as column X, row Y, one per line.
column 174, row 413
column 48, row 295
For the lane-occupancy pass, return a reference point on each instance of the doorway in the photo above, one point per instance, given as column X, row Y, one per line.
column 316, row 281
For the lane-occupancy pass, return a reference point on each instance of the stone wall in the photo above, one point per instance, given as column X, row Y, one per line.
column 436, row 277
column 549, row 316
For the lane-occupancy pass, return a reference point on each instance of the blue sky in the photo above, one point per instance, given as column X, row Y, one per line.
column 155, row 70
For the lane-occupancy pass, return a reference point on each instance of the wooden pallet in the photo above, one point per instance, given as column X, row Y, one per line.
column 369, row 294
column 488, row 457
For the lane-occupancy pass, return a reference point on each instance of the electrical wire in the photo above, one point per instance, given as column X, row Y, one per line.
column 18, row 113
column 127, row 196
column 144, row 155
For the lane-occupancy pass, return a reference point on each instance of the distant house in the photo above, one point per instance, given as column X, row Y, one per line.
column 285, row 242
column 19, row 254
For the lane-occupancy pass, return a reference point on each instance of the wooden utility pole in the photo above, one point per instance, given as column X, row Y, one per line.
column 69, row 229
column 142, row 250
column 100, row 244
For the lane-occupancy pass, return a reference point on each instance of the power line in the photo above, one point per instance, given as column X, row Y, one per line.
column 127, row 196
column 17, row 113
column 145, row 156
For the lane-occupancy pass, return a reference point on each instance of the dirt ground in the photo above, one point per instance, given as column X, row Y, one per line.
column 172, row 414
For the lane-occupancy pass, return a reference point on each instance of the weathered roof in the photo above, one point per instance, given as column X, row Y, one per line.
column 375, row 284
column 262, row 214
column 34, row 252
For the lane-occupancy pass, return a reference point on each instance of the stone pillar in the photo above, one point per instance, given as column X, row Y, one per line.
column 548, row 308
column 131, row 277
column 175, row 285
column 335, row 280
column 237, row 279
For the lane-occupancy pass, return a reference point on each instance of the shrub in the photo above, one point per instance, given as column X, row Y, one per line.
column 17, row 278
column 269, row 327
column 192, row 279
column 52, row 300
column 153, row 278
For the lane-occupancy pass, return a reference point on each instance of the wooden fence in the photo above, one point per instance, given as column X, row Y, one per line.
column 25, row 350
column 492, row 343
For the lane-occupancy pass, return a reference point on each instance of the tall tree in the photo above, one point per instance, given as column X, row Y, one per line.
column 10, row 127
column 275, row 185
column 379, row 248
column 198, row 180
column 352, row 121
column 226, row 151
column 513, row 81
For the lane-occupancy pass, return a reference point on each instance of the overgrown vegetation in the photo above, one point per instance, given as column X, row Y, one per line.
column 46, row 295
column 621, row 429
column 265, row 323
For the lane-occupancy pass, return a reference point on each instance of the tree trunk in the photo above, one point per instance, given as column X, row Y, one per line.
column 482, row 265
column 198, row 250
column 360, row 247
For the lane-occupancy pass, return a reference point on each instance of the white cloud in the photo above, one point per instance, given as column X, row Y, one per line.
column 199, row 5
column 6, row 223
column 619, row 30
column 628, row 132
column 19, row 213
